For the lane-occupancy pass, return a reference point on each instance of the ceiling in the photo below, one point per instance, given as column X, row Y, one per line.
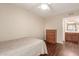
column 55, row 8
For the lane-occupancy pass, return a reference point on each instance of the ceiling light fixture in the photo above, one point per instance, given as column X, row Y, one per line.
column 49, row 3
column 44, row 7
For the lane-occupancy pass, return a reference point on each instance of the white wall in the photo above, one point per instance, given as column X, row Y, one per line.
column 16, row 22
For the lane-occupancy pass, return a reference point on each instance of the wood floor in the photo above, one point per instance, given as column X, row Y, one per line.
column 66, row 49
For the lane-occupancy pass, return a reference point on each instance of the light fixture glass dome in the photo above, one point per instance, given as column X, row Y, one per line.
column 44, row 7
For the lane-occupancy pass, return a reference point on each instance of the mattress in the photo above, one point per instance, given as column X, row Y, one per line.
column 23, row 47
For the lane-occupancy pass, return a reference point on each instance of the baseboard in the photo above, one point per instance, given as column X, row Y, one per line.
column 60, row 42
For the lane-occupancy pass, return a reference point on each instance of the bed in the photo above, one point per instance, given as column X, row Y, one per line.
column 23, row 47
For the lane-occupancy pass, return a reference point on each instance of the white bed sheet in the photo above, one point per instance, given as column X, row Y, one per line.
column 23, row 47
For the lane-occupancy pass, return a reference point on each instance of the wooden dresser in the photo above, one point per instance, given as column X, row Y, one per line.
column 51, row 36
column 72, row 37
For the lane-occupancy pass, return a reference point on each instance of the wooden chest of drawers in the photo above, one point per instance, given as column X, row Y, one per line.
column 72, row 37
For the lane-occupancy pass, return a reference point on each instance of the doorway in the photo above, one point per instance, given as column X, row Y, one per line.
column 71, row 29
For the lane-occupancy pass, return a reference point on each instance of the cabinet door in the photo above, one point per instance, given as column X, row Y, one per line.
column 51, row 36
column 68, row 36
column 75, row 37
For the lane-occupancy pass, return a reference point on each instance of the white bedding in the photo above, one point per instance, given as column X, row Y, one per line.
column 23, row 47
